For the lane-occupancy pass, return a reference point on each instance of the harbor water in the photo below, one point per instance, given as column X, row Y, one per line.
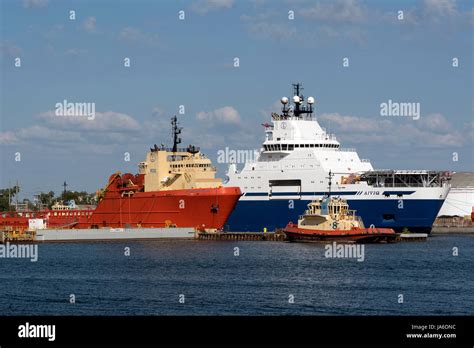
column 189, row 277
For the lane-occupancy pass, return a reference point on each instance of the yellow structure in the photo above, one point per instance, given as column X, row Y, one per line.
column 330, row 213
column 183, row 169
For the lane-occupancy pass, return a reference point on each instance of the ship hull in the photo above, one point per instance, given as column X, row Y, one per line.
column 417, row 215
column 206, row 208
column 358, row 235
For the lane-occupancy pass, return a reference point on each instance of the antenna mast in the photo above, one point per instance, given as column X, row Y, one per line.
column 176, row 132
column 298, row 100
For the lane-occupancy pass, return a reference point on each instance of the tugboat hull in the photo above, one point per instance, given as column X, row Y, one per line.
column 357, row 235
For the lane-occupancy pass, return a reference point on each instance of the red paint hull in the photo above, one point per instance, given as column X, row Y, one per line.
column 358, row 235
column 206, row 208
column 54, row 218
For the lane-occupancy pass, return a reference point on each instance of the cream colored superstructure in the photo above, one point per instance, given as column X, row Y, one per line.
column 166, row 170
column 335, row 216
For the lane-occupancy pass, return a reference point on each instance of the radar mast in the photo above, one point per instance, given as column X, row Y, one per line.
column 176, row 132
column 298, row 108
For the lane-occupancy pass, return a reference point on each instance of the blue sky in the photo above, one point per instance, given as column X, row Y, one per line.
column 190, row 62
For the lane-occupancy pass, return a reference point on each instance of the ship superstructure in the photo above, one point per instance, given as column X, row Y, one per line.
column 292, row 168
column 177, row 168
column 175, row 187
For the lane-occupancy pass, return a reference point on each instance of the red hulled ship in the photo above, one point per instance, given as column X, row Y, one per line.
column 175, row 187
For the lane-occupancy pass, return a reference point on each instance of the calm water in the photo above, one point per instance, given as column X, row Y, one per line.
column 259, row 281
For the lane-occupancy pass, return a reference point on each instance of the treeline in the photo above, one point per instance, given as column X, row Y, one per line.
column 8, row 198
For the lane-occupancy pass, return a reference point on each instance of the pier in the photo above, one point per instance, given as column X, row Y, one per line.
column 411, row 237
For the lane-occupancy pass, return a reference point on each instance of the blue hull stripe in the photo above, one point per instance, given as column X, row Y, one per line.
column 254, row 216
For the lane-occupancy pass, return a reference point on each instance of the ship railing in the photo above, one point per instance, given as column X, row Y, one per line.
column 325, row 137
column 402, row 185
column 179, row 149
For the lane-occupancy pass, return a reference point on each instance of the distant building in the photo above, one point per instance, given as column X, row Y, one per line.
column 460, row 200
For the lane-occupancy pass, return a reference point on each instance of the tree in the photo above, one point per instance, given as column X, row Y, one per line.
column 46, row 199
column 6, row 196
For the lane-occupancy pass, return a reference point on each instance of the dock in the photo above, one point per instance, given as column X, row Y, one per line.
column 411, row 237
column 453, row 230
column 103, row 234
column 243, row 236
column 16, row 235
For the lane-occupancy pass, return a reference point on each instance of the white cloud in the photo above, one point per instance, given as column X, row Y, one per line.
column 266, row 112
column 437, row 8
column 35, row 3
column 341, row 11
column 327, row 21
column 136, row 36
column 226, row 114
column 38, row 133
column 318, row 22
column 440, row 14
column 74, row 51
column 89, row 24
column 158, row 111
column 62, row 133
column 103, row 122
column 430, row 131
column 10, row 50
column 204, row 6
column 275, row 31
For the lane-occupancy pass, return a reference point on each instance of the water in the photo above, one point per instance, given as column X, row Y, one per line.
column 258, row 282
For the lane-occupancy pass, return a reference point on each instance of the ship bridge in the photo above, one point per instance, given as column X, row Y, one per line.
column 294, row 133
column 297, row 141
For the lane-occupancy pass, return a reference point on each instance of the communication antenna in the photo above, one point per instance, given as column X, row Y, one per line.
column 176, row 132
column 285, row 108
column 298, row 99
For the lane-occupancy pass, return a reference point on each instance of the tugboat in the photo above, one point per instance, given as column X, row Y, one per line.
column 330, row 219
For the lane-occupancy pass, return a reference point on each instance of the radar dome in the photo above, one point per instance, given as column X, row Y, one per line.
column 310, row 100
column 284, row 100
column 296, row 99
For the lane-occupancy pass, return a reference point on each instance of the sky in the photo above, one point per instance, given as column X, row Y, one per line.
column 420, row 55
